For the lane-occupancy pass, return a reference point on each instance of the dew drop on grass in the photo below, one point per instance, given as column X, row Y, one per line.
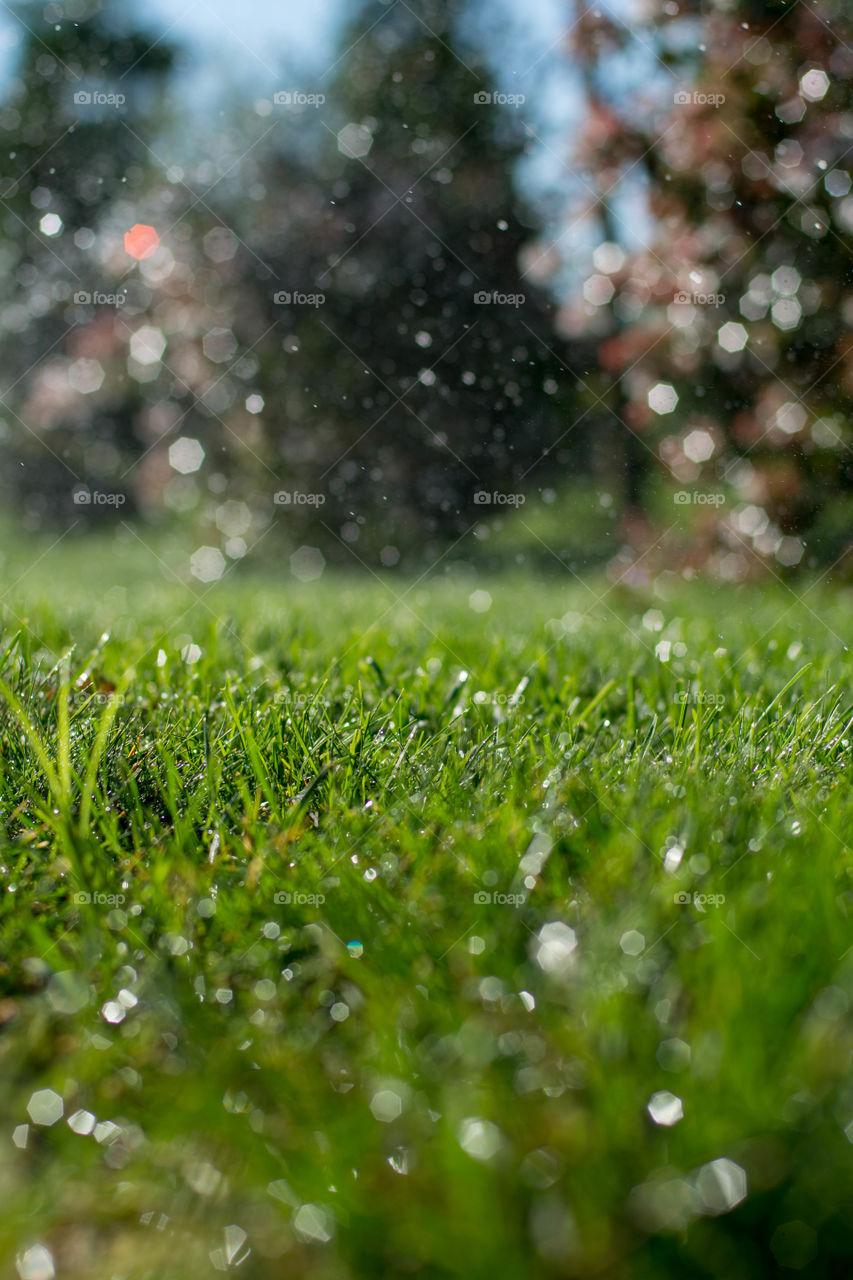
column 45, row 1107
column 722, row 1185
column 554, row 948
column 313, row 1223
column 35, row 1263
column 82, row 1122
column 672, row 857
column 632, row 943
column 386, row 1105
column 480, row 1139
column 235, row 1238
column 665, row 1108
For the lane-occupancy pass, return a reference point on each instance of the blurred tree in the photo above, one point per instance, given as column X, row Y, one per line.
column 728, row 333
column 428, row 375
column 405, row 393
column 74, row 171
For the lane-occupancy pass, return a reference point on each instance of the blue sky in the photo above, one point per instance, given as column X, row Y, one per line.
column 303, row 30
column 260, row 45
column 256, row 36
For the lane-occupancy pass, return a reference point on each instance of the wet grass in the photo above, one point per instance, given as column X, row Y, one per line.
column 356, row 932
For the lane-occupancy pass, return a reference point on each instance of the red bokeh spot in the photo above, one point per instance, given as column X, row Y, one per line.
column 141, row 241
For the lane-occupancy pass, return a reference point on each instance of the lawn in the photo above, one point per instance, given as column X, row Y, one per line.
column 459, row 928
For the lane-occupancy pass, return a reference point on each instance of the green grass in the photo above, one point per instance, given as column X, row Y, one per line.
column 464, row 1093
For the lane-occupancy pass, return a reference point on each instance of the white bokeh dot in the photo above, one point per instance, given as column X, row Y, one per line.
column 186, row 455
column 732, row 336
column 207, row 564
column 663, row 398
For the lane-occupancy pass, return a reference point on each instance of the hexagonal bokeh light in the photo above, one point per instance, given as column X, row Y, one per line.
column 355, row 141
column 45, row 1107
column 147, row 345
column 814, row 84
column 186, row 455
column 141, row 241
column 207, row 564
column 598, row 290
column 663, row 397
column 219, row 345
column 86, row 376
column 732, row 336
